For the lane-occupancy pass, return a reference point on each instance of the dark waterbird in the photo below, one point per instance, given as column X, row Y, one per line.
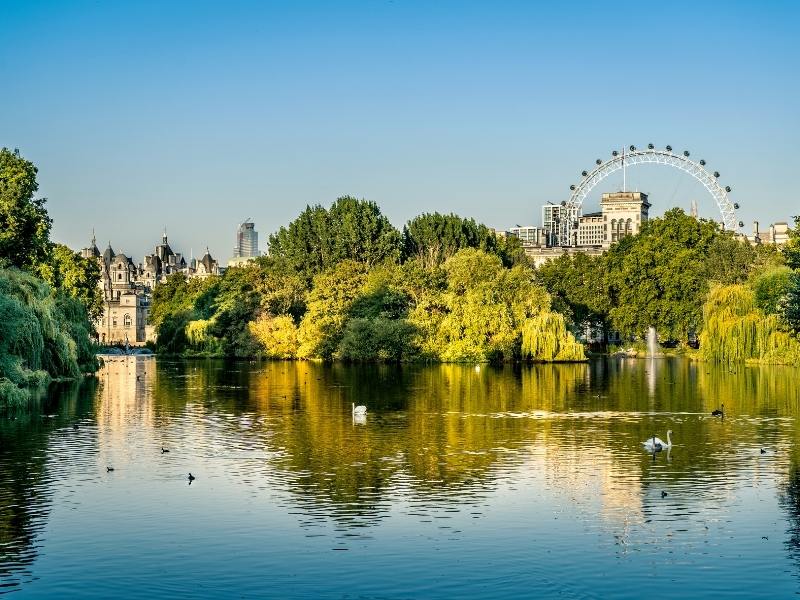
column 74, row 425
column 664, row 494
column 109, row 469
column 763, row 451
column 720, row 412
column 164, row 450
column 191, row 478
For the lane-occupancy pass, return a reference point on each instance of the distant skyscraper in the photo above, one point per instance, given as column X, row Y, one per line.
column 246, row 240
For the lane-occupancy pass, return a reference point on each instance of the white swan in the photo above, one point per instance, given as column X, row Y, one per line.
column 655, row 444
column 359, row 410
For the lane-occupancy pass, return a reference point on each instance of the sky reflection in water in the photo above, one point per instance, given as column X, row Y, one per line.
column 501, row 482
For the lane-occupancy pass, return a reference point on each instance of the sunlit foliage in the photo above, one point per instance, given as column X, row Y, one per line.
column 432, row 238
column 736, row 330
column 545, row 338
column 42, row 335
column 276, row 335
column 320, row 238
column 24, row 222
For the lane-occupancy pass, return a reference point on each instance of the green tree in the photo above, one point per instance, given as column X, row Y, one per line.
column 281, row 290
column 432, row 238
column 790, row 309
column 277, row 336
column 791, row 303
column 329, row 302
column 24, row 222
column 659, row 277
column 42, row 335
column 578, row 286
column 729, row 259
column 176, row 302
column 791, row 250
column 771, row 288
column 480, row 314
column 351, row 229
column 76, row 276
column 377, row 338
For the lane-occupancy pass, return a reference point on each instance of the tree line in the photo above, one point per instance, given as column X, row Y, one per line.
column 687, row 277
column 48, row 293
column 343, row 283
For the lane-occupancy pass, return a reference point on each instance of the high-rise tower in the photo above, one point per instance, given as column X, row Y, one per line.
column 246, row 240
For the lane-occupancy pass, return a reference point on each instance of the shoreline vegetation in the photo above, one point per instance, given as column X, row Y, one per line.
column 342, row 283
column 48, row 293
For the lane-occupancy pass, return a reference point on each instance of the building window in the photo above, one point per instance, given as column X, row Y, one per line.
column 114, row 321
column 127, row 321
column 119, row 276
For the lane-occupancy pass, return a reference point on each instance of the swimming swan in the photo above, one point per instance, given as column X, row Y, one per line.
column 720, row 412
column 654, row 444
column 359, row 410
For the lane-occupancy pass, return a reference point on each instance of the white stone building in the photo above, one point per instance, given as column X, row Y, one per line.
column 127, row 288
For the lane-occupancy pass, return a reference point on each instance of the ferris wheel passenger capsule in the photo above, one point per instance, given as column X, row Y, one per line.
column 727, row 188
column 669, row 148
column 632, row 148
column 572, row 187
column 741, row 224
column 614, row 153
column 650, row 146
column 702, row 163
column 736, row 205
column 599, row 162
column 686, row 153
column 716, row 173
column 584, row 173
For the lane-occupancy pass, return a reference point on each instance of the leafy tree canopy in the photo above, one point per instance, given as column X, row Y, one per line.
column 658, row 278
column 791, row 251
column 432, row 238
column 24, row 223
column 76, row 276
column 351, row 229
column 578, row 286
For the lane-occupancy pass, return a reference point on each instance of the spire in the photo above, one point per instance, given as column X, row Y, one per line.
column 164, row 235
column 94, row 240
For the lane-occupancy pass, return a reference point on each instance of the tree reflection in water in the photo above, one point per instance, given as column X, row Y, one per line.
column 439, row 442
column 25, row 484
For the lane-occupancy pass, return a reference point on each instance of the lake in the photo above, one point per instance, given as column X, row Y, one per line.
column 460, row 482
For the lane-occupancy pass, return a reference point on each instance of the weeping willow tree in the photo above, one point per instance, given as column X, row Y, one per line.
column 199, row 335
column 545, row 338
column 42, row 335
column 735, row 330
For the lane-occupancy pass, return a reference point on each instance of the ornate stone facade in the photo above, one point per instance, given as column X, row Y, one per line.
column 127, row 288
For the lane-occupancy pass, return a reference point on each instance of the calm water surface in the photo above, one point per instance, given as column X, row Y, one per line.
column 460, row 483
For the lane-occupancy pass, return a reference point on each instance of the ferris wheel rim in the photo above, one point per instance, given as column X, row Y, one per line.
column 655, row 156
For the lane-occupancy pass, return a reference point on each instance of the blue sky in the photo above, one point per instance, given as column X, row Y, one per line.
column 196, row 115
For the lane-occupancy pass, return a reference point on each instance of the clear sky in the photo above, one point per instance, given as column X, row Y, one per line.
column 196, row 115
